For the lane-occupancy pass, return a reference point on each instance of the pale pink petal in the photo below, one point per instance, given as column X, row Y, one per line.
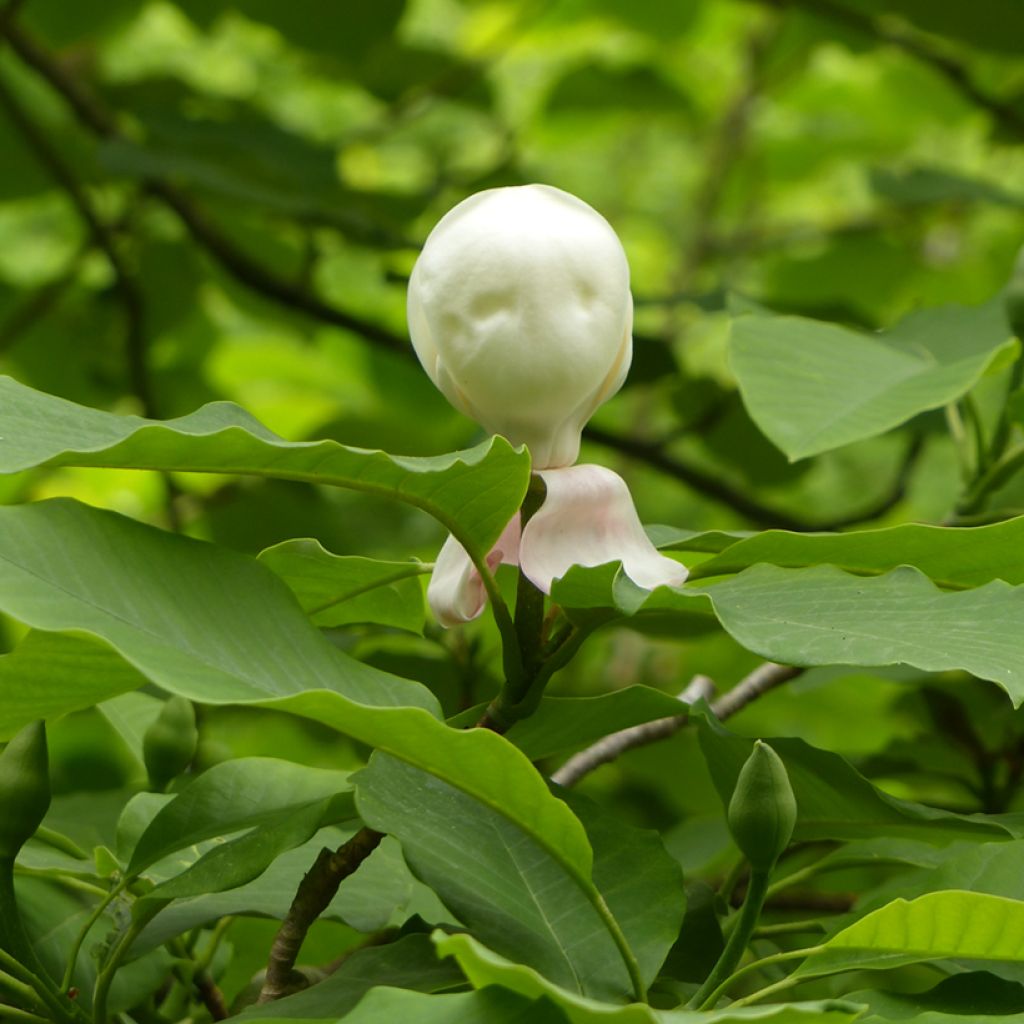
column 588, row 518
column 456, row 592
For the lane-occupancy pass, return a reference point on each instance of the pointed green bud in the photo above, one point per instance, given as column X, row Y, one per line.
column 762, row 811
column 24, row 788
column 1015, row 297
column 170, row 742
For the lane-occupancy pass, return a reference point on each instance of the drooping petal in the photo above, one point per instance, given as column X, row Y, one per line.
column 456, row 592
column 588, row 518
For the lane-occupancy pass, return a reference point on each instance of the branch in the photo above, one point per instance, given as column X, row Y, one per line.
column 102, row 235
column 315, row 892
column 764, row 678
column 607, row 749
column 1004, row 113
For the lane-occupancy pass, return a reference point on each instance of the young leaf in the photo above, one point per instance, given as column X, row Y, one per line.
column 937, row 926
column 813, row 386
column 335, row 590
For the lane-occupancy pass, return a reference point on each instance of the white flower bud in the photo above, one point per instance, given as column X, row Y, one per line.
column 520, row 312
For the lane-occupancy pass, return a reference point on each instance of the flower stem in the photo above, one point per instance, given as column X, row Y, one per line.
column 707, row 995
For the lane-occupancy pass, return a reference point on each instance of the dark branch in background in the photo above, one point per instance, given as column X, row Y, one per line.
column 125, row 281
column 1006, row 115
column 265, row 283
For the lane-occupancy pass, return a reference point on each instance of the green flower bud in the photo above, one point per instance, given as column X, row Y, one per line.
column 762, row 811
column 170, row 742
column 1015, row 297
column 24, row 788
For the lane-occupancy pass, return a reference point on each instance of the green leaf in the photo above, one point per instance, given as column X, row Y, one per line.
column 936, row 926
column 823, row 616
column 216, row 630
column 952, row 557
column 239, row 861
column 474, row 493
column 408, row 963
column 834, row 801
column 335, row 590
column 813, row 386
column 484, row 968
column 217, row 626
column 977, row 996
column 537, row 909
column 492, row 1006
column 381, row 894
column 234, row 795
column 49, row 674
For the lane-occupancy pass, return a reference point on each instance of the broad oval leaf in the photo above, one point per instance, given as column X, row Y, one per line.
column 813, row 386
column 937, row 926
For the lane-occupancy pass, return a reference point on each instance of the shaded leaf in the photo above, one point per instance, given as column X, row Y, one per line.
column 812, row 386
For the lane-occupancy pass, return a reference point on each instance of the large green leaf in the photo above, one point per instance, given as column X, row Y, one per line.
column 219, row 628
column 813, row 386
column 952, row 557
column 937, row 926
column 473, row 493
column 216, row 624
column 834, row 801
column 519, row 898
column 823, row 616
column 334, row 589
column 483, row 967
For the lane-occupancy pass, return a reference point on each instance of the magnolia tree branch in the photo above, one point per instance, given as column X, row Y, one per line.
column 315, row 892
column 764, row 678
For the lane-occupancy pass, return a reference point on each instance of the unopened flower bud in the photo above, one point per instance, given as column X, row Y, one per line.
column 520, row 312
column 762, row 811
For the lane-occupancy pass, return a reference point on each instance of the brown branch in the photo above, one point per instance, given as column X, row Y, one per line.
column 764, row 678
column 315, row 892
column 607, row 749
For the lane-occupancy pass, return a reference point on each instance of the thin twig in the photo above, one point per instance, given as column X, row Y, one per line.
column 315, row 892
column 607, row 749
column 764, row 678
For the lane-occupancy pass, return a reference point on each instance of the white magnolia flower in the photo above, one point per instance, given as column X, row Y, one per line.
column 520, row 312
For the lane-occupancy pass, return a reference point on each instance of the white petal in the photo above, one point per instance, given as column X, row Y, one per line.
column 588, row 518
column 520, row 311
column 456, row 592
